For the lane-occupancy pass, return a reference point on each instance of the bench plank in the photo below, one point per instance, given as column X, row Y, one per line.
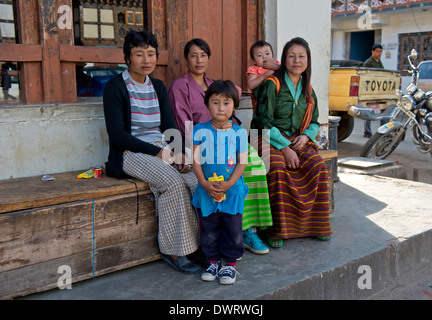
column 40, row 234
column 34, row 243
column 328, row 154
column 32, row 192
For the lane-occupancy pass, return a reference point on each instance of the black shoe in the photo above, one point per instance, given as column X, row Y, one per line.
column 182, row 264
column 367, row 135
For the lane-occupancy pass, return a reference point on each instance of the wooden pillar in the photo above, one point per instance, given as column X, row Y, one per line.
column 249, row 33
column 51, row 69
column 66, row 37
column 177, row 36
column 28, row 33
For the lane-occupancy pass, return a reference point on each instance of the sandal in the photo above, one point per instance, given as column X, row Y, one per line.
column 326, row 238
column 275, row 243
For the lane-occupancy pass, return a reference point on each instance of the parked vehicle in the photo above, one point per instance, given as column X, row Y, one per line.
column 425, row 75
column 99, row 71
column 14, row 76
column 99, row 77
column 345, row 63
column 413, row 113
column 354, row 85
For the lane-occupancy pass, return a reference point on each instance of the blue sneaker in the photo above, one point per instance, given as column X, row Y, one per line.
column 253, row 243
column 212, row 272
column 227, row 275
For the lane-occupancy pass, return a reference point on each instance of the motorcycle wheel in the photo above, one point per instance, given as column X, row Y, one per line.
column 376, row 146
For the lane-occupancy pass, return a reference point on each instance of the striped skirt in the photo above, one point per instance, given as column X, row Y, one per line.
column 299, row 198
column 257, row 212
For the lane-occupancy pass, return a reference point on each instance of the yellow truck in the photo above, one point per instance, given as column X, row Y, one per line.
column 353, row 85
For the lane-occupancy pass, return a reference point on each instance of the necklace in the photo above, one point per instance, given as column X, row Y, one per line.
column 222, row 127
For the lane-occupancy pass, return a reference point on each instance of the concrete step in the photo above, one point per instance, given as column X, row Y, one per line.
column 361, row 165
column 382, row 231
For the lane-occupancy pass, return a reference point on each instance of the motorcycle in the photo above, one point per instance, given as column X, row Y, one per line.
column 412, row 113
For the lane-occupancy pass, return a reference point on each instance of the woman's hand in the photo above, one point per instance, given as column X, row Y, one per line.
column 166, row 155
column 291, row 158
column 299, row 142
column 183, row 163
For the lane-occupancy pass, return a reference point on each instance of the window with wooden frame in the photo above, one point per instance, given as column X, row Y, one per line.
column 47, row 55
column 421, row 42
column 49, row 58
column 130, row 17
column 8, row 69
column 138, row 18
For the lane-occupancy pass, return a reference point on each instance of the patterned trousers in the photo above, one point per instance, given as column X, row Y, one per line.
column 178, row 232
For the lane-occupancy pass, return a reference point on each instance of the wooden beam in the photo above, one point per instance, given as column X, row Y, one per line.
column 97, row 54
column 68, row 73
column 249, row 34
column 20, row 52
column 30, row 72
column 177, row 37
column 51, row 69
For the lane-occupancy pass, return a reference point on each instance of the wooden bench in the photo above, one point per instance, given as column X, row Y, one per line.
column 328, row 156
column 86, row 224
column 89, row 225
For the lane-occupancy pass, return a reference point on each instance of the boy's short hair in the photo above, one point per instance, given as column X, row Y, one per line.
column 259, row 44
column 138, row 38
column 376, row 46
column 225, row 88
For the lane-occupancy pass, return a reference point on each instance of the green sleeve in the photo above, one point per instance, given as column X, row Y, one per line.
column 263, row 117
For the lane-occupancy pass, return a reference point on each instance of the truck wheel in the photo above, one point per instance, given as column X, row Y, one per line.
column 346, row 126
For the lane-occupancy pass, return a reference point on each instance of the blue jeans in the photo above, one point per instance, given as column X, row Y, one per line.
column 221, row 234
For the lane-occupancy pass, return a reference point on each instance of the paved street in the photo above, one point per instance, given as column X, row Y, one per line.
column 13, row 91
column 414, row 286
column 406, row 153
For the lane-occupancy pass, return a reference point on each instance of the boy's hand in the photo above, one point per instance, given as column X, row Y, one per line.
column 223, row 185
column 213, row 189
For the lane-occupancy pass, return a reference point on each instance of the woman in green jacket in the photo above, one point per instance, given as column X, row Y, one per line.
column 287, row 118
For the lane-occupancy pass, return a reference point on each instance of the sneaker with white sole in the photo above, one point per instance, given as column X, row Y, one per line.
column 212, row 272
column 227, row 274
column 253, row 243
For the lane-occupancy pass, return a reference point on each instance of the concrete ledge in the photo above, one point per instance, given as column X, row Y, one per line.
column 378, row 222
column 360, row 165
column 395, row 261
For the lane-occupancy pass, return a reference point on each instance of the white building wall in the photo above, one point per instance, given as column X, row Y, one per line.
column 389, row 25
column 311, row 20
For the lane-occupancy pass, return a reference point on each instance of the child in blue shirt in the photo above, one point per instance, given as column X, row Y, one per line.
column 220, row 150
